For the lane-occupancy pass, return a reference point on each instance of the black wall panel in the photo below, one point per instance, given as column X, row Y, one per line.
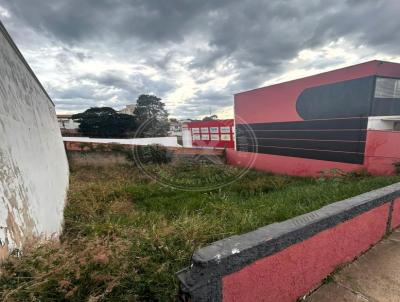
column 345, row 146
column 338, row 100
column 385, row 106
column 339, row 135
column 353, row 158
column 321, row 124
column 340, row 140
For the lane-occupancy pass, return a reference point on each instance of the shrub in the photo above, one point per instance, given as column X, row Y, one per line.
column 360, row 173
column 397, row 167
column 151, row 154
column 334, row 172
column 117, row 147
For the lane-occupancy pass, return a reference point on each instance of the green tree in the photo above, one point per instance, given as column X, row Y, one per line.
column 105, row 122
column 151, row 115
column 210, row 118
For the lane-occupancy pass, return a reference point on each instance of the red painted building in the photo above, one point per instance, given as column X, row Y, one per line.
column 212, row 134
column 345, row 119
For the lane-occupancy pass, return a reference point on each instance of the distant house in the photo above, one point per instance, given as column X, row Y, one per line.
column 175, row 128
column 129, row 109
column 209, row 134
column 67, row 125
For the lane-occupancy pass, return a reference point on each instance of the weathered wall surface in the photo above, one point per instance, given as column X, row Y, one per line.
column 33, row 164
column 382, row 151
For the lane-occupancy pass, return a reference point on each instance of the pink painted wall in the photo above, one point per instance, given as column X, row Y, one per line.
column 381, row 151
column 396, row 214
column 293, row 272
column 286, row 164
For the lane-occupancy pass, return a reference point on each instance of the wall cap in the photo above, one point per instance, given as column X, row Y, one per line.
column 231, row 254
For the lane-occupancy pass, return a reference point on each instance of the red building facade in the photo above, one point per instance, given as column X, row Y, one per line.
column 212, row 134
column 344, row 119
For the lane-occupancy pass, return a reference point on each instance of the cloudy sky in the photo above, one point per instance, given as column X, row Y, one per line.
column 194, row 54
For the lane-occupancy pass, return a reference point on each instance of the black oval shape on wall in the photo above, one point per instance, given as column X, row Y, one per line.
column 338, row 100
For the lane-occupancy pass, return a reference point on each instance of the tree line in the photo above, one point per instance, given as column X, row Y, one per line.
column 150, row 119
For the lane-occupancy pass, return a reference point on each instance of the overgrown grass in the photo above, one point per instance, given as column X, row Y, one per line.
column 126, row 235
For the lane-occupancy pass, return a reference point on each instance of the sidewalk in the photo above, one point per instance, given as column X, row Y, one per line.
column 374, row 277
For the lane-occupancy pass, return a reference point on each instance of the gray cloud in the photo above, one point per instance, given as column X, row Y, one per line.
column 73, row 21
column 112, row 88
column 133, row 84
column 204, row 102
column 251, row 40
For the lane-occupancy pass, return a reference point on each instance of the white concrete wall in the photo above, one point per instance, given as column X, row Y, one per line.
column 186, row 138
column 33, row 163
column 167, row 141
column 387, row 123
column 68, row 124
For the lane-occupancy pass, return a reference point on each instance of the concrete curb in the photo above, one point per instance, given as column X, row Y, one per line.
column 202, row 281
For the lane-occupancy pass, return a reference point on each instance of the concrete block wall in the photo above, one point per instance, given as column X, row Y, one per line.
column 33, row 163
column 167, row 141
column 107, row 154
column 284, row 261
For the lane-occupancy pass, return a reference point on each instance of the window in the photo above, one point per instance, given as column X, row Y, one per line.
column 196, row 137
column 195, row 130
column 214, row 129
column 225, row 137
column 225, row 129
column 204, row 130
column 214, row 137
column 387, row 88
column 205, row 137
